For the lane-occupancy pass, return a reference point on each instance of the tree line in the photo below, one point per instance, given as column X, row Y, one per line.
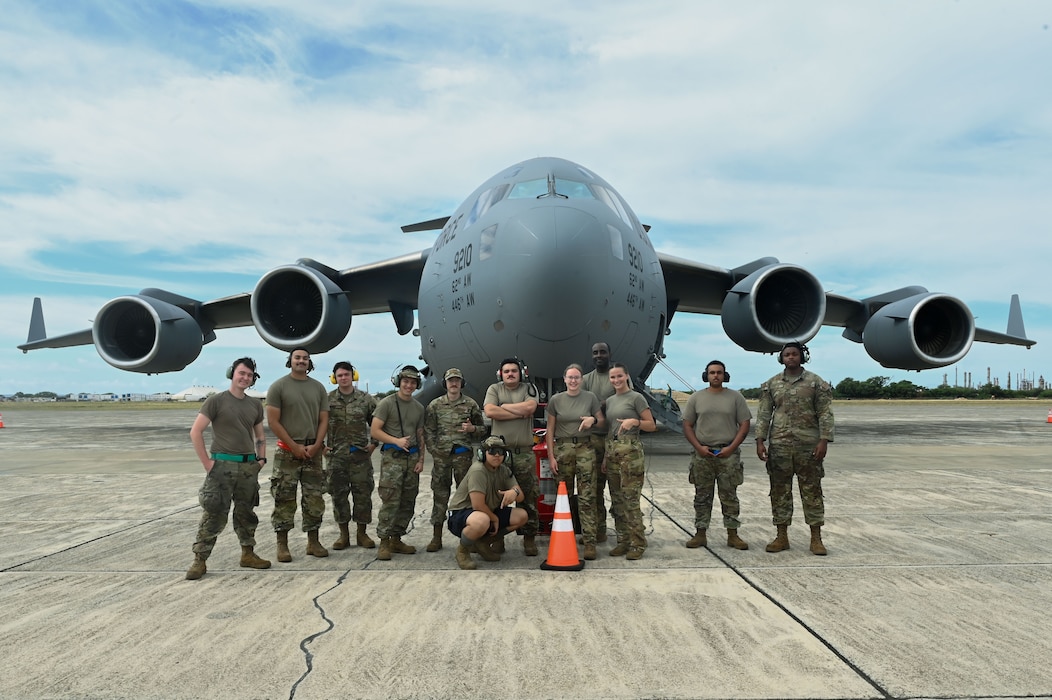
column 884, row 388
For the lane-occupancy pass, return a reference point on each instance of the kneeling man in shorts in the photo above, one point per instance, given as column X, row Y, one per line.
column 483, row 508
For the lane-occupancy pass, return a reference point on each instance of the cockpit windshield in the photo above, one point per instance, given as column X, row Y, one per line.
column 572, row 189
column 551, row 187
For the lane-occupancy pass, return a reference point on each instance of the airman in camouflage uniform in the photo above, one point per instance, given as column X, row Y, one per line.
column 571, row 415
column 232, row 467
column 627, row 413
column 398, row 425
column 298, row 415
column 349, row 465
column 796, row 415
column 510, row 405
column 450, row 423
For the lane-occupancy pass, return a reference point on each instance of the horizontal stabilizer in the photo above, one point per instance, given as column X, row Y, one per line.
column 433, row 225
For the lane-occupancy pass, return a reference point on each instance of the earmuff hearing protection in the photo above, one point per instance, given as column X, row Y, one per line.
column 247, row 362
column 310, row 363
column 343, row 365
column 480, row 452
column 805, row 354
column 407, row 371
column 523, row 371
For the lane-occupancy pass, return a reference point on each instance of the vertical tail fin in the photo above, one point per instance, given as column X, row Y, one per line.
column 36, row 322
column 1015, row 318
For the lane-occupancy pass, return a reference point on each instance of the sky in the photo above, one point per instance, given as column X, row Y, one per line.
column 193, row 146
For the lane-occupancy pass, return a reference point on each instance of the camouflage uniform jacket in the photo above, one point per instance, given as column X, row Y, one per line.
column 795, row 408
column 442, row 421
column 349, row 419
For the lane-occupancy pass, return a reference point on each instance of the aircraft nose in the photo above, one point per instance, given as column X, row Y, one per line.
column 561, row 254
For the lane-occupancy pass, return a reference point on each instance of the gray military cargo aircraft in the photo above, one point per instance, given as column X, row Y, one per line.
column 541, row 261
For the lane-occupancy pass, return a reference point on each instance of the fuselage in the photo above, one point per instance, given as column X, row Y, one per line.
column 542, row 261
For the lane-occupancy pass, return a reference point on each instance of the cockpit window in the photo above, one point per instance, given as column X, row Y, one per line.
column 529, row 189
column 551, row 187
column 486, row 200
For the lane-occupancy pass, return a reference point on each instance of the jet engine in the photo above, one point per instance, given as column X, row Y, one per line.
column 299, row 305
column 923, row 331
column 143, row 334
column 772, row 306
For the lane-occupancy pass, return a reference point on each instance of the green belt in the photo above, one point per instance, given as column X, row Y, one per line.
column 224, row 457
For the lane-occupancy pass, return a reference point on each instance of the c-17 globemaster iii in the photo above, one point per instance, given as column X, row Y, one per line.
column 541, row 261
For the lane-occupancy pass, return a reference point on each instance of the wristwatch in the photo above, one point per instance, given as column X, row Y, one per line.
column 261, row 460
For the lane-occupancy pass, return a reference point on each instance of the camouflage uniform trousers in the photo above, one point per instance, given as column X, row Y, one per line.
column 599, row 446
column 783, row 460
column 350, row 474
column 626, row 471
column 711, row 475
column 399, row 486
column 578, row 459
column 288, row 473
column 444, row 471
column 523, row 466
column 228, row 482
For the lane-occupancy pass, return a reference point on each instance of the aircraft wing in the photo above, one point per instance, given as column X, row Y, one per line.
column 304, row 304
column 765, row 303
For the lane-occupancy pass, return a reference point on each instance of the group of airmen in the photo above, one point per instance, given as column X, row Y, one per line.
column 484, row 489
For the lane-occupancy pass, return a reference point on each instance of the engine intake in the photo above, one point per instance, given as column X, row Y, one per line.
column 142, row 334
column 924, row 331
column 775, row 305
column 298, row 306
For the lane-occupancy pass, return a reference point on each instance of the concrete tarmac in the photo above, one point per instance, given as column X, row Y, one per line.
column 938, row 582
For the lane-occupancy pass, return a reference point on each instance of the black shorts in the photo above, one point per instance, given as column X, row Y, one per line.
column 457, row 519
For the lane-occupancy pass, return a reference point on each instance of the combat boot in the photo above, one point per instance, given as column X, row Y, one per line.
column 634, row 553
column 400, row 547
column 345, row 537
column 589, row 552
column 698, row 540
column 529, row 545
column 816, row 541
column 314, row 547
column 734, row 541
column 284, row 555
column 620, row 550
column 197, row 569
column 498, row 545
column 464, row 560
column 384, row 553
column 485, row 549
column 781, row 542
column 249, row 560
column 363, row 539
column 436, row 542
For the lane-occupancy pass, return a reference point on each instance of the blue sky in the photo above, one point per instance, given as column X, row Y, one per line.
column 194, row 145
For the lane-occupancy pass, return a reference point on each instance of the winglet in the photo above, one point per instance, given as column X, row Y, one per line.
column 36, row 322
column 1015, row 318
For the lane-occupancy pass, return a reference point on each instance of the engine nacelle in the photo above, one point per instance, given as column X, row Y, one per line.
column 920, row 332
column 773, row 306
column 142, row 334
column 298, row 306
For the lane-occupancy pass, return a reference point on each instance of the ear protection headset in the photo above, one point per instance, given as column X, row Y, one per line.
column 805, row 354
column 343, row 365
column 247, row 362
column 406, row 372
column 310, row 363
column 480, row 452
column 726, row 374
column 524, row 373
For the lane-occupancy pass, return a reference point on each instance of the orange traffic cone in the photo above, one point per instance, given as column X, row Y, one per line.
column 1049, row 418
column 562, row 546
column 2, row 418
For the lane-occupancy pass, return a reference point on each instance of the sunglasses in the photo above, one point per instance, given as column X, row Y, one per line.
column 495, row 451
